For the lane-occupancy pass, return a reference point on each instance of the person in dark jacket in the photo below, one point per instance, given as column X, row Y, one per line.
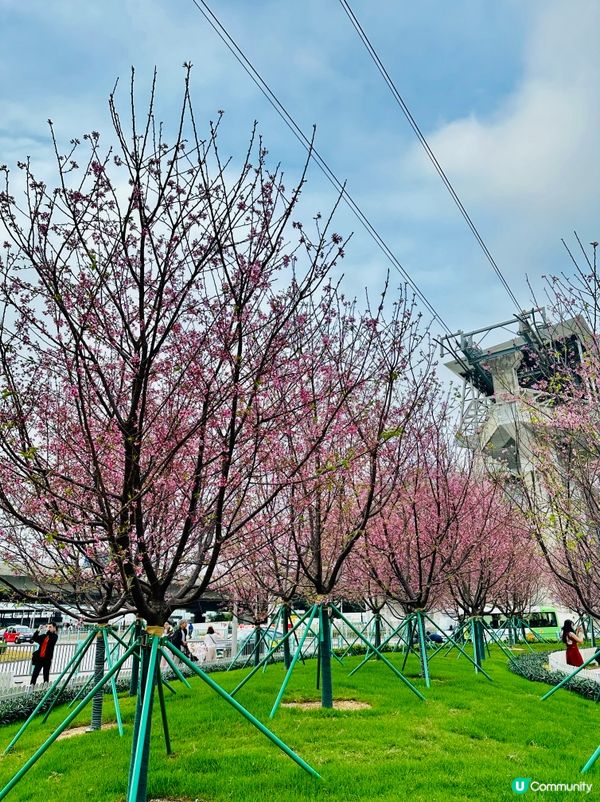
column 179, row 638
column 42, row 657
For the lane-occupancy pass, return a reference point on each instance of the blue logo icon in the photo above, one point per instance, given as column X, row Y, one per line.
column 520, row 784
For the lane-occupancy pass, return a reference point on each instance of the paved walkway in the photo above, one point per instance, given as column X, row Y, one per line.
column 558, row 662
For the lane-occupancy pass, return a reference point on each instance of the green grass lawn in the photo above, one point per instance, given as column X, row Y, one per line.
column 468, row 741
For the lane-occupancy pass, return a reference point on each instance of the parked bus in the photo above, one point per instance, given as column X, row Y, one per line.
column 541, row 622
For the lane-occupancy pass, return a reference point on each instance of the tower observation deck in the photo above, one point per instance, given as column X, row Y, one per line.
column 503, row 384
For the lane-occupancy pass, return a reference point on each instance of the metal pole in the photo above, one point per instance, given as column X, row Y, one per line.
column 266, row 657
column 286, row 679
column 351, row 644
column 139, row 774
column 113, row 684
column 370, row 651
column 390, row 665
column 458, row 646
column 423, row 648
column 476, row 656
column 248, row 716
column 143, row 651
column 273, row 624
column 498, row 642
column 176, row 670
column 62, row 727
column 49, row 692
column 568, row 677
column 74, row 664
column 163, row 709
column 81, row 691
column 591, row 761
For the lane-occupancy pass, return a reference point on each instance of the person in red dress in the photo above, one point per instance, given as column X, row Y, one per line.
column 571, row 638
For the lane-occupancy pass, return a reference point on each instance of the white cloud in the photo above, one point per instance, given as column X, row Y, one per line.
column 536, row 154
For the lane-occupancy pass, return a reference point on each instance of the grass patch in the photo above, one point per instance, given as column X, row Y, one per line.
column 468, row 741
column 13, row 654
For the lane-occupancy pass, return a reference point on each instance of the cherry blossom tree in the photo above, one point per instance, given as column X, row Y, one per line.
column 269, row 565
column 358, row 585
column 562, row 496
column 563, row 507
column 499, row 536
column 152, row 344
column 167, row 328
column 342, row 486
column 247, row 595
column 416, row 540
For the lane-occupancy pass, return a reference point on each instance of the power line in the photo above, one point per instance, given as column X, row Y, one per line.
column 264, row 88
column 420, row 136
column 255, row 76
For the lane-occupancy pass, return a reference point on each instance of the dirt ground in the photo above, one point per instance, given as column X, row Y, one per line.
column 73, row 731
column 338, row 704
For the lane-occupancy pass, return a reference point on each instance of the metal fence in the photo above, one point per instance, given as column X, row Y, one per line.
column 16, row 666
column 18, row 670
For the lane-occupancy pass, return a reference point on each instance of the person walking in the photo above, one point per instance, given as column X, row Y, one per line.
column 42, row 657
column 571, row 639
column 210, row 645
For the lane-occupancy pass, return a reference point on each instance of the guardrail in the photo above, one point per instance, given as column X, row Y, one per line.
column 19, row 669
column 15, row 673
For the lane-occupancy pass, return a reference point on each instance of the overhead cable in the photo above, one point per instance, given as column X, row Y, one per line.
column 249, row 68
column 264, row 88
column 420, row 136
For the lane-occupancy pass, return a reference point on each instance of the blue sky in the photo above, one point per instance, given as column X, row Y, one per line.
column 506, row 93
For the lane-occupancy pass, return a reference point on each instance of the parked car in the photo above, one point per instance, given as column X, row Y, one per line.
column 17, row 634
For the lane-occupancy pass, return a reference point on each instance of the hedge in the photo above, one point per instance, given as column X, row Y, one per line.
column 534, row 666
column 18, row 708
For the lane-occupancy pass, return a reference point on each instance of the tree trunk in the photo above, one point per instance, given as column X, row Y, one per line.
column 325, row 657
column 98, row 700
column 135, row 665
column 511, row 635
column 257, row 649
column 478, row 642
column 377, row 633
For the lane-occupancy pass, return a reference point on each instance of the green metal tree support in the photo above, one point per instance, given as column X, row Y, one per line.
column 564, row 681
column 152, row 647
column 56, row 689
column 414, row 624
column 320, row 612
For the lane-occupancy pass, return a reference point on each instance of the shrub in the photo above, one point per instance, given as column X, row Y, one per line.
column 18, row 708
column 534, row 666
